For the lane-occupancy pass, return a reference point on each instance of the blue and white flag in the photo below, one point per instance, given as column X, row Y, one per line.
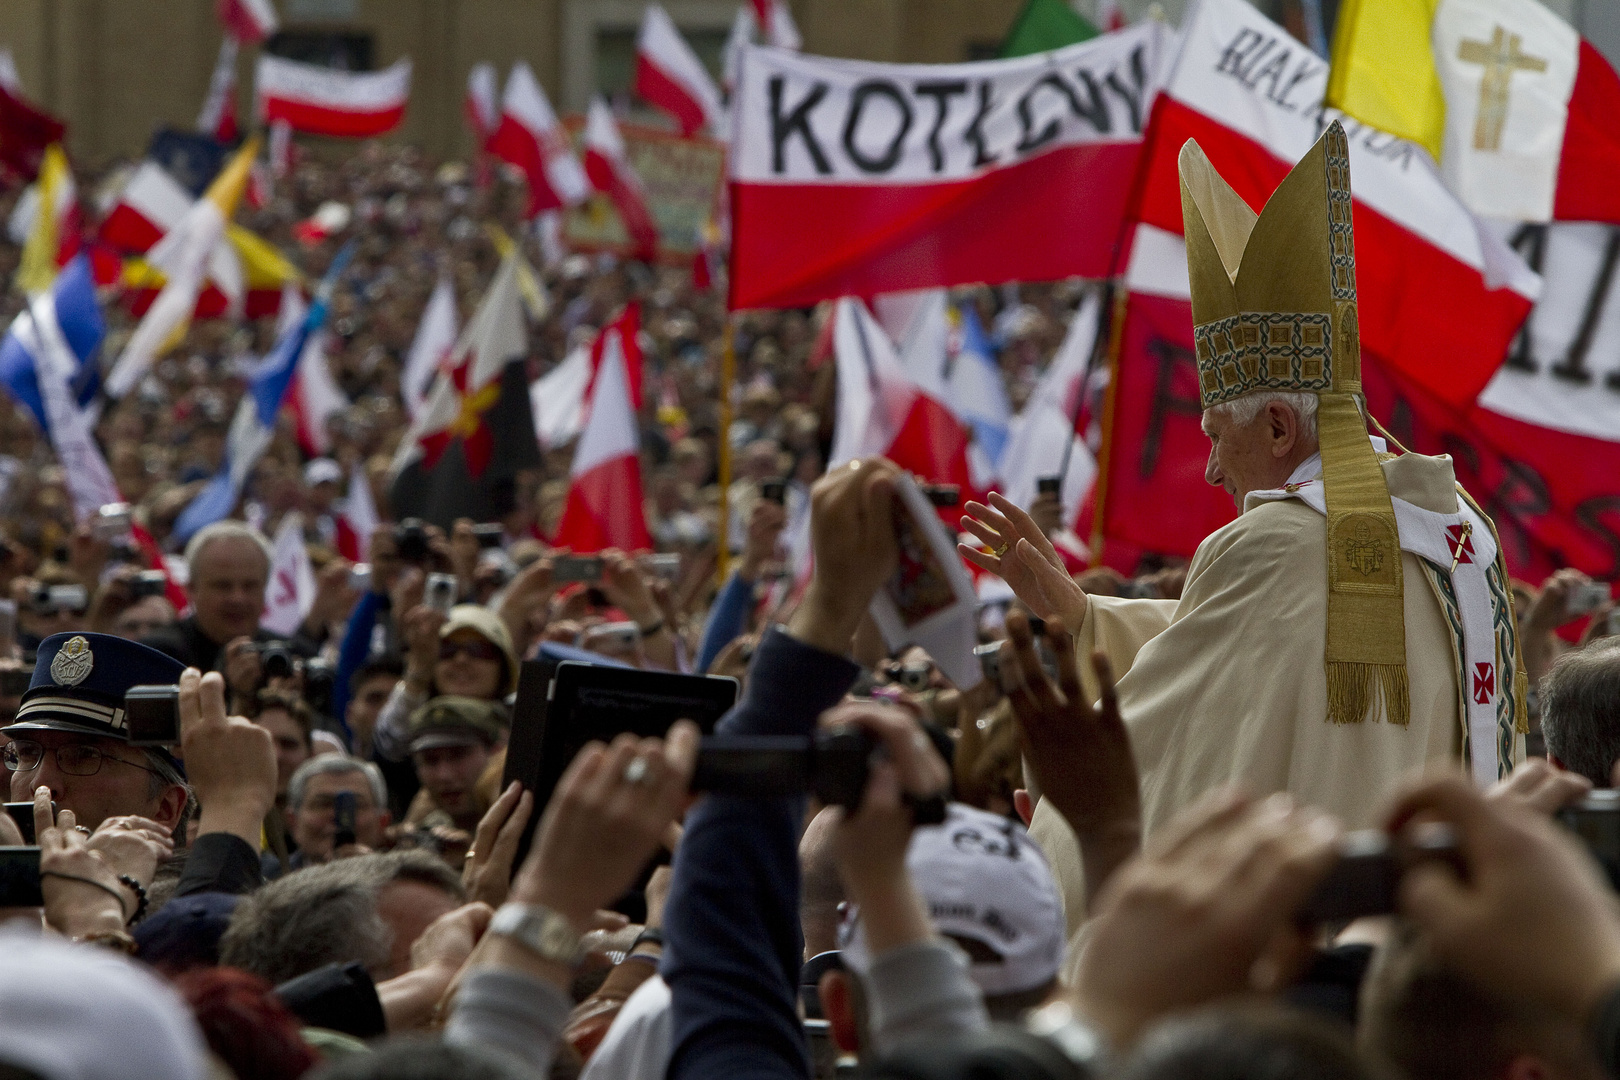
column 975, row 389
column 48, row 362
column 254, row 425
column 72, row 297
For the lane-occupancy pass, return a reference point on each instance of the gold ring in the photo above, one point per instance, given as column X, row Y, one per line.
column 1001, row 552
column 470, row 854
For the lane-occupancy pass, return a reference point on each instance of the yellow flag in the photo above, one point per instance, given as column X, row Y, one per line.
column 38, row 267
column 534, row 297
column 226, row 190
column 1383, row 70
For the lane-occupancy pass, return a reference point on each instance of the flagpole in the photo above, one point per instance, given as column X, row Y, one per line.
column 728, row 375
column 1105, row 453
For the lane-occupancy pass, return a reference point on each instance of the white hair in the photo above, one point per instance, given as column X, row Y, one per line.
column 341, row 765
column 227, row 530
column 1242, row 411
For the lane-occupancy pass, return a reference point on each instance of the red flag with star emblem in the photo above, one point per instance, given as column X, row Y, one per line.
column 475, row 431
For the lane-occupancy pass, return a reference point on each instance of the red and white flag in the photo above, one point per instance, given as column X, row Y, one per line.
column 670, row 76
column 358, row 518
column 560, row 399
column 1439, row 294
column 1043, row 434
column 435, row 338
column 248, row 21
column 323, row 101
column 291, row 591
column 604, row 507
column 483, row 111
column 218, row 116
column 777, row 23
column 151, row 204
column 608, row 166
column 530, row 138
column 315, row 396
column 919, row 176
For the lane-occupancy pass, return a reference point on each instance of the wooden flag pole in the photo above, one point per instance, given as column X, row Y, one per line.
column 728, row 376
column 1105, row 453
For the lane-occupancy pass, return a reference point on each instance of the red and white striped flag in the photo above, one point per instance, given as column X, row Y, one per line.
column 608, row 166
column 530, row 137
column 604, row 507
column 218, row 116
column 315, row 397
column 670, row 76
column 248, row 21
column 323, row 101
column 776, row 22
column 358, row 518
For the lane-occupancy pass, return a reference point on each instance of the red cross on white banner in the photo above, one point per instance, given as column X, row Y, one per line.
column 1484, row 683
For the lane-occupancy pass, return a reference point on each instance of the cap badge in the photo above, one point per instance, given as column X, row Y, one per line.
column 73, row 662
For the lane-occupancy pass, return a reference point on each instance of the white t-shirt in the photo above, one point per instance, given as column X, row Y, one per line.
column 636, row 1046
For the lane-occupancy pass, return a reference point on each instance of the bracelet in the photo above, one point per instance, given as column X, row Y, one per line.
column 651, row 628
column 116, row 940
column 108, row 889
column 140, row 896
column 649, row 934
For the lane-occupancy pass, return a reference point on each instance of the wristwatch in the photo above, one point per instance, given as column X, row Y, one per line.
column 542, row 931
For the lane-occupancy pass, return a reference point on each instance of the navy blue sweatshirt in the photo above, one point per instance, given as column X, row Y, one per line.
column 731, row 925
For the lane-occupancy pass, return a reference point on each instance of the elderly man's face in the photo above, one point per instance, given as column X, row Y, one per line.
column 124, row 782
column 227, row 588
column 313, row 823
column 1256, row 456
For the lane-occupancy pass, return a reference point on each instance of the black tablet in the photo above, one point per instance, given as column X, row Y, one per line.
column 562, row 706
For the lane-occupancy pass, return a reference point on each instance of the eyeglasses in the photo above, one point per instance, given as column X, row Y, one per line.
column 477, row 650
column 75, row 759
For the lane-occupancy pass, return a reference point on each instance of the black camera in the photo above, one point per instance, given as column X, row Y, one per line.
column 344, row 806
column 1049, row 485
column 1596, row 820
column 490, row 536
column 152, row 715
column 833, row 765
column 773, row 491
column 149, row 583
column 942, row 495
column 411, row 540
column 52, row 599
column 275, row 661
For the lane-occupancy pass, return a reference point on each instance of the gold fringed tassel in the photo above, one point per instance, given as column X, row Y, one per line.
column 1397, row 693
column 1350, row 688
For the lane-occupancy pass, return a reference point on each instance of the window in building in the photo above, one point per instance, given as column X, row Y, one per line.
column 345, row 51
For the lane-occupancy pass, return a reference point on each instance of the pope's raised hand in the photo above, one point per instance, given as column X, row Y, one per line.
column 1021, row 555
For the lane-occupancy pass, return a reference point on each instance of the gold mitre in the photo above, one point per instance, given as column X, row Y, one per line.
column 1274, row 308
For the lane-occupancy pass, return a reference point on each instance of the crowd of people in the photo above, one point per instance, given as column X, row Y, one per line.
column 322, row 877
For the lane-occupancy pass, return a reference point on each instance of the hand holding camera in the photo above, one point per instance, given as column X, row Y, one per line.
column 852, row 532
column 230, row 761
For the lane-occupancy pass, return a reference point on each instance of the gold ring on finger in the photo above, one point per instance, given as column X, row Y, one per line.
column 1001, row 552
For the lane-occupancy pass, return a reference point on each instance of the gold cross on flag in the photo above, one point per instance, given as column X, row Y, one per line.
column 1501, row 58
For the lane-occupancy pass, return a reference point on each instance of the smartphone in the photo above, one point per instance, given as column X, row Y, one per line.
column 360, row 577
column 585, row 568
column 19, row 877
column 441, row 592
column 666, row 565
column 1049, row 485
column 23, row 814
column 14, row 681
column 152, row 715
column 942, row 494
column 773, row 491
column 1585, row 599
column 149, row 583
column 111, row 522
column 343, row 810
column 490, row 536
column 990, row 662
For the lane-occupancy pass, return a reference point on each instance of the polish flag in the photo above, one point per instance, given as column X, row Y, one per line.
column 247, row 21
column 1440, row 295
column 483, row 113
column 151, row 203
column 670, row 76
column 777, row 20
column 559, row 399
column 218, row 117
column 435, row 338
column 530, row 138
column 323, row 101
column 358, row 518
column 608, row 166
column 604, row 507
column 885, row 409
column 315, row 397
column 291, row 591
column 935, row 175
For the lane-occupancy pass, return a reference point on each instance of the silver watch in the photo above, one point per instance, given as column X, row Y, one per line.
column 542, row 931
